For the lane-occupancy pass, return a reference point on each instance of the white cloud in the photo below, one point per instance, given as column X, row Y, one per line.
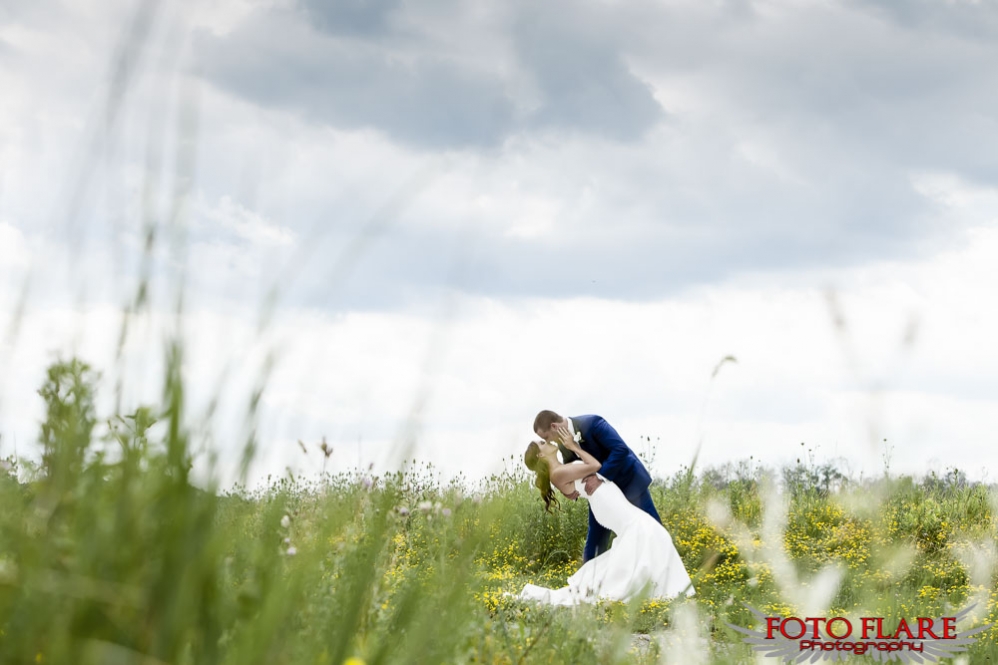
column 14, row 251
column 957, row 197
column 645, row 367
column 248, row 225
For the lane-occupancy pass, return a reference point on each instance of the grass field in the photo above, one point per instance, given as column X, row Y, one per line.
column 109, row 554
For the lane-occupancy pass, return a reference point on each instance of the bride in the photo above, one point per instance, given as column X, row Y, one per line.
column 642, row 560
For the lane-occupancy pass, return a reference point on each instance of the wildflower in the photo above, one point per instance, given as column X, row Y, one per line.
column 367, row 482
column 445, row 512
column 425, row 506
column 285, row 522
column 403, row 511
column 8, row 571
column 287, row 541
column 292, row 551
column 353, row 661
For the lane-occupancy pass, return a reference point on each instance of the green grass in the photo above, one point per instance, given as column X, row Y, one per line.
column 109, row 554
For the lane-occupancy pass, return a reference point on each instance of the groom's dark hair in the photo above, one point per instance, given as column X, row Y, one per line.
column 545, row 419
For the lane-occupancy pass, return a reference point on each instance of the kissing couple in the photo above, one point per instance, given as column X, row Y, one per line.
column 598, row 466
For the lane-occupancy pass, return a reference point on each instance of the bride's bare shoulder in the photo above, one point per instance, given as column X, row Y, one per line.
column 561, row 479
column 563, row 470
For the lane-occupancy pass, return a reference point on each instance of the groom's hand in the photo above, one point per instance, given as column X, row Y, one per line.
column 562, row 434
column 591, row 482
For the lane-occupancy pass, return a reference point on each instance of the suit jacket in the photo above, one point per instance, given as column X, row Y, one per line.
column 600, row 440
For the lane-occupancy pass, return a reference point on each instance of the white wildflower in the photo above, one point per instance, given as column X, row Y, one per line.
column 8, row 571
column 285, row 522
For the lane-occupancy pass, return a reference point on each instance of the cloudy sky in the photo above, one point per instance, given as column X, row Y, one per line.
column 438, row 218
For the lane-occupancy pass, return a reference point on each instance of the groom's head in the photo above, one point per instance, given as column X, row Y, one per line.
column 544, row 425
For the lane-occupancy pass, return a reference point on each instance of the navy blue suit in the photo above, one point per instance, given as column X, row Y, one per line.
column 620, row 465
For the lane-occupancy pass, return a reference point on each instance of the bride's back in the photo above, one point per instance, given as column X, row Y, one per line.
column 610, row 507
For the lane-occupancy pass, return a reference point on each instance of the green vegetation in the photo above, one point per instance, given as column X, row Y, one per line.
column 109, row 554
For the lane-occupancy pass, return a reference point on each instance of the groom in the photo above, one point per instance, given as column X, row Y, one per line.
column 620, row 465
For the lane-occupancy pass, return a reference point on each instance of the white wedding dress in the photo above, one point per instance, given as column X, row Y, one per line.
column 642, row 559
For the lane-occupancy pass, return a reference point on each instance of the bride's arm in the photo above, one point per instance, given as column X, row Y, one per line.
column 566, row 488
column 569, row 473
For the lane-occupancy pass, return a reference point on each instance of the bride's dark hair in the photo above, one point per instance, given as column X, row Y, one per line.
column 532, row 458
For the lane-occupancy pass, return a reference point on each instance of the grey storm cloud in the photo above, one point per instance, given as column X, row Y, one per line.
column 359, row 17
column 795, row 141
column 584, row 80
column 977, row 19
column 346, row 65
column 431, row 101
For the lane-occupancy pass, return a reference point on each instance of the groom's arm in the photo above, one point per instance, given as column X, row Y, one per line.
column 618, row 451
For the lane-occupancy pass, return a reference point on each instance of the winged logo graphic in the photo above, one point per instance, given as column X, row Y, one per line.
column 791, row 651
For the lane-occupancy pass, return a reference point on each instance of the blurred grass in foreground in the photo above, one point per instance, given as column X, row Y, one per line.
column 108, row 554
